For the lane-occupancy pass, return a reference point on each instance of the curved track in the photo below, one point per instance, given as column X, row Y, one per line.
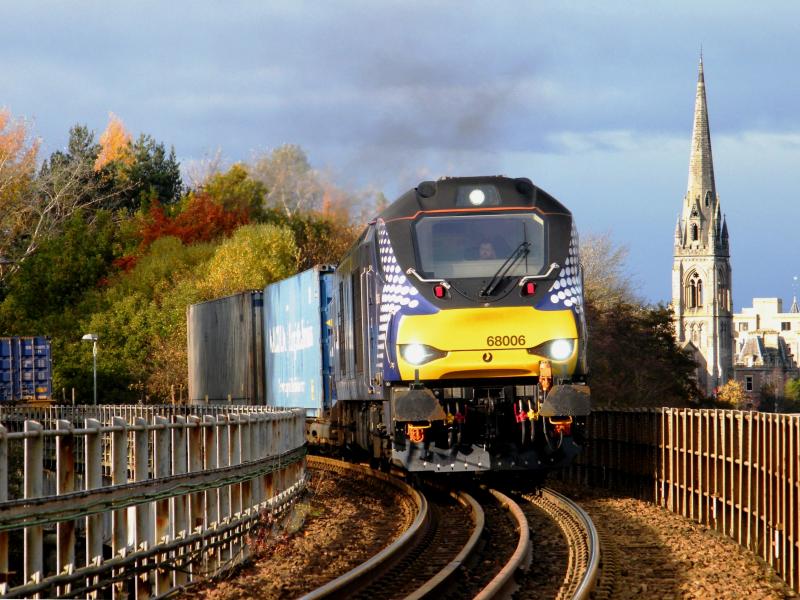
column 423, row 560
column 583, row 544
column 450, row 529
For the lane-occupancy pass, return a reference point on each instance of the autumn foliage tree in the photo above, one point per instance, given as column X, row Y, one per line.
column 201, row 221
column 17, row 168
column 115, row 145
column 731, row 395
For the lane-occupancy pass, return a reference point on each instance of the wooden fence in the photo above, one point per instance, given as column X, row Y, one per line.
column 138, row 501
column 734, row 471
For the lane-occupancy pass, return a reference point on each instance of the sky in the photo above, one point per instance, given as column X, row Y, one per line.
column 592, row 101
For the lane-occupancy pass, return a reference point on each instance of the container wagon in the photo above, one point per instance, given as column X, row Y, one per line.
column 226, row 350
column 25, row 369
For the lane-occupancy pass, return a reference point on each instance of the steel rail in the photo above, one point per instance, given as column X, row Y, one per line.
column 503, row 583
column 582, row 538
column 442, row 578
column 356, row 578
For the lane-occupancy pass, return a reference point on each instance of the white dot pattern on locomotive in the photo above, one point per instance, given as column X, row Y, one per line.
column 568, row 288
column 396, row 292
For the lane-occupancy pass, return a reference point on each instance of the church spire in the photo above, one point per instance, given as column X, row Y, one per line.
column 701, row 167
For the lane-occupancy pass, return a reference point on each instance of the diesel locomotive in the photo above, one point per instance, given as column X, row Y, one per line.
column 458, row 334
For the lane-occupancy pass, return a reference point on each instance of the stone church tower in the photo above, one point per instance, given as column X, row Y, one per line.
column 701, row 271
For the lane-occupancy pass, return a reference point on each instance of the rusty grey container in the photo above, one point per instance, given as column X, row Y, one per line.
column 226, row 350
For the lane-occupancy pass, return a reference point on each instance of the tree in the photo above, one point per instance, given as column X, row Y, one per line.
column 605, row 281
column 319, row 240
column 66, row 183
column 153, row 174
column 17, row 169
column 65, row 267
column 254, row 256
column 731, row 395
column 791, row 391
column 201, row 221
column 292, row 184
column 236, row 190
column 199, row 171
column 634, row 359
column 115, row 145
column 768, row 398
column 17, row 160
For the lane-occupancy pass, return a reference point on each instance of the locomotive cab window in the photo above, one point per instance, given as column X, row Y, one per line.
column 466, row 246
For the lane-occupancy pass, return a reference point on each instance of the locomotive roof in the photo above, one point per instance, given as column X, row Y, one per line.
column 448, row 193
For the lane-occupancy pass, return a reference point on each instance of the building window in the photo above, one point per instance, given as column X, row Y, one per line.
column 722, row 290
column 694, row 232
column 694, row 291
column 742, row 326
column 748, row 383
column 786, row 326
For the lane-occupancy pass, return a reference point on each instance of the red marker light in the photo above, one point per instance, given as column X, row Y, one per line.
column 438, row 291
column 529, row 289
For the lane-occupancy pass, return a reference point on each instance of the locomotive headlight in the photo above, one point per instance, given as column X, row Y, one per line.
column 419, row 354
column 476, row 197
column 560, row 349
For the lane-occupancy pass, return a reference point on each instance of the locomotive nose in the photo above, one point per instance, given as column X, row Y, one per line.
column 501, row 342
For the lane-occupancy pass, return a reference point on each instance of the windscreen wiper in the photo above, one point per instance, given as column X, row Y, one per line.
column 519, row 252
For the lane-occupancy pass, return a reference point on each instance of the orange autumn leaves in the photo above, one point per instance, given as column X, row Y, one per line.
column 115, row 144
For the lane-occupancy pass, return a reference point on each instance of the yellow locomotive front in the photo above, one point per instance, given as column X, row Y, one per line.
column 482, row 342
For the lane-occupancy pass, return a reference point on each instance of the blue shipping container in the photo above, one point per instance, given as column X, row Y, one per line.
column 25, row 369
column 296, row 336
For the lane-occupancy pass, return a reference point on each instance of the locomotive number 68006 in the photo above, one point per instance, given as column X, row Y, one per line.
column 505, row 340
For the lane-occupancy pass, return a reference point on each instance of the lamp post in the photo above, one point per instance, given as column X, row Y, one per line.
column 92, row 337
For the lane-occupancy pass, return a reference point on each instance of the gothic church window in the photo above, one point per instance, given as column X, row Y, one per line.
column 722, row 291
column 694, row 232
column 694, row 291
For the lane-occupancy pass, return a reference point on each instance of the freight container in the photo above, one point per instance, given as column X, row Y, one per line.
column 226, row 350
column 25, row 369
column 296, row 341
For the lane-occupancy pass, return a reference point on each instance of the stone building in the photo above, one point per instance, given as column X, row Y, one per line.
column 767, row 349
column 701, row 271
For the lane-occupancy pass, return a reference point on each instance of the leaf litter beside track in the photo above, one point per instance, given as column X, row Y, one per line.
column 339, row 524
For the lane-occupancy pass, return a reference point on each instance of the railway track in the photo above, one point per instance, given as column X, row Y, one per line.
column 580, row 552
column 466, row 545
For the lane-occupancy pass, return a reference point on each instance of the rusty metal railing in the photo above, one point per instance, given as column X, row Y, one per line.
column 139, row 505
column 736, row 471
